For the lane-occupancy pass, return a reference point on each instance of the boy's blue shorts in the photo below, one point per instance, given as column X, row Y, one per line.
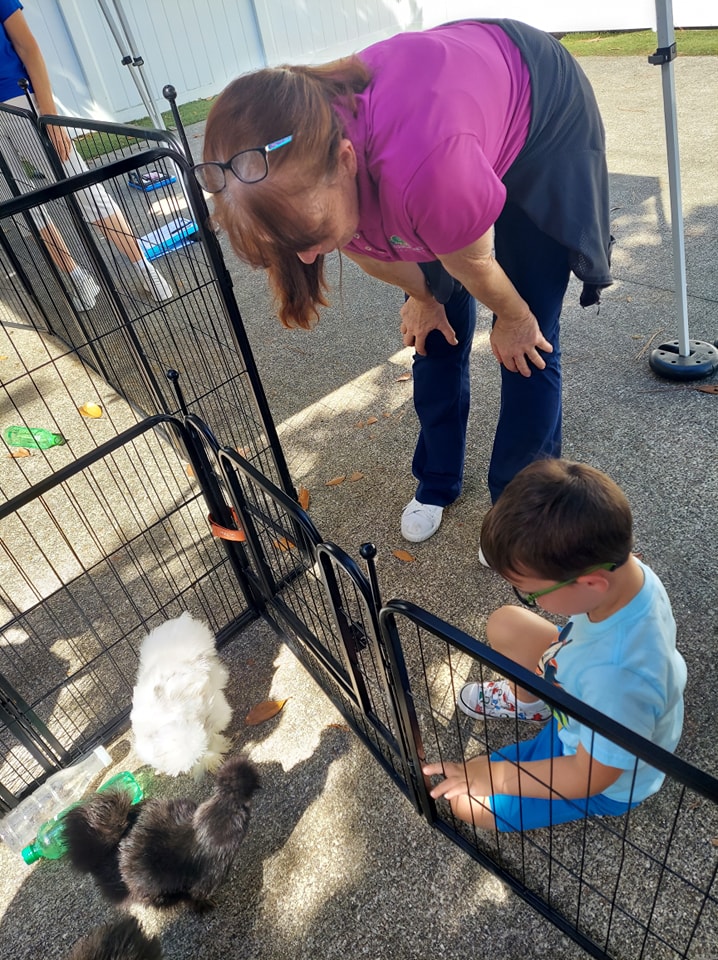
column 528, row 813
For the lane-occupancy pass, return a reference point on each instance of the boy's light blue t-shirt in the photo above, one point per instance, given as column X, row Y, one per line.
column 628, row 668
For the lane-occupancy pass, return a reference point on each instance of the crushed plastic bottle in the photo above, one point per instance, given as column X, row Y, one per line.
column 37, row 438
column 21, row 825
column 50, row 841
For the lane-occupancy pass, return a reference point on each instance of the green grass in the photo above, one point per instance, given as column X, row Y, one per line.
column 93, row 145
column 640, row 43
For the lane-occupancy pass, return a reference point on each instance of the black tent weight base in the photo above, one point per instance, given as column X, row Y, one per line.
column 667, row 361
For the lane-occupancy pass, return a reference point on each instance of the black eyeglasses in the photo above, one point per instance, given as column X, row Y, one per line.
column 529, row 599
column 249, row 166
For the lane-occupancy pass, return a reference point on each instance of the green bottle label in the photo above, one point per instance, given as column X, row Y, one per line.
column 125, row 781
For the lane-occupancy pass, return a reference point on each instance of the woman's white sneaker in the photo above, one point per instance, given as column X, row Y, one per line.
column 419, row 521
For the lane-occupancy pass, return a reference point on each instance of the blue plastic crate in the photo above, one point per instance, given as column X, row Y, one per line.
column 173, row 235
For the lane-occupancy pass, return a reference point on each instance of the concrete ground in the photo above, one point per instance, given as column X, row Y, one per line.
column 336, row 861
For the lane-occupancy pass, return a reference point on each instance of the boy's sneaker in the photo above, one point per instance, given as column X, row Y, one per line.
column 86, row 290
column 153, row 281
column 495, row 699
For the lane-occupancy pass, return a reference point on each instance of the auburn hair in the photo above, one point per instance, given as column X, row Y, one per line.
column 555, row 520
column 260, row 219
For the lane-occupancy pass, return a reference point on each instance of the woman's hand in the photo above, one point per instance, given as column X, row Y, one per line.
column 421, row 313
column 516, row 338
column 516, row 344
column 419, row 318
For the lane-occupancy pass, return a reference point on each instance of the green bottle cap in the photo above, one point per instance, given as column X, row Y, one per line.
column 31, row 854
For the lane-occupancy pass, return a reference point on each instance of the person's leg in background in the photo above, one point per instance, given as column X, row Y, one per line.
column 529, row 424
column 96, row 205
column 441, row 400
column 99, row 208
column 82, row 287
column 84, row 284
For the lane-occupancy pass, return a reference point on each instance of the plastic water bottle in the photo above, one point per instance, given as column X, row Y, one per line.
column 36, row 437
column 20, row 825
column 50, row 841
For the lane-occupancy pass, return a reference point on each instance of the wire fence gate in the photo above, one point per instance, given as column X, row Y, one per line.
column 104, row 532
column 119, row 527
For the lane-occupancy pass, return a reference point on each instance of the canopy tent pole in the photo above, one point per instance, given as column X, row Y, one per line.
column 127, row 46
column 681, row 359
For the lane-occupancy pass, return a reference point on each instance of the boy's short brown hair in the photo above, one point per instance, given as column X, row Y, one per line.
column 556, row 519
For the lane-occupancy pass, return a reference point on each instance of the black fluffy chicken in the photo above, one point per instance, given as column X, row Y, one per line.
column 160, row 852
column 122, row 940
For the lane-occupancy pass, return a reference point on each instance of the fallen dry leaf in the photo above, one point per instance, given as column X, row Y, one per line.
column 403, row 378
column 360, row 424
column 356, row 476
column 338, row 726
column 714, row 841
column 189, row 470
column 372, row 420
column 18, row 453
column 404, row 555
column 92, row 410
column 243, row 451
column 264, row 711
column 335, row 481
column 3, row 357
column 283, row 544
column 711, row 388
column 387, row 416
column 303, row 498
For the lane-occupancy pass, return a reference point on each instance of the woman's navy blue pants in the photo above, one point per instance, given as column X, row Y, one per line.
column 529, row 425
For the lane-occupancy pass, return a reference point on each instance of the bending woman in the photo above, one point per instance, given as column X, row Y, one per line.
column 461, row 162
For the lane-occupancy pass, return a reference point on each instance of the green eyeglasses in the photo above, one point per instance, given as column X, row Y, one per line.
column 529, row 599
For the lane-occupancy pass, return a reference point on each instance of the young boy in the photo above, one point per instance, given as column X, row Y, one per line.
column 561, row 534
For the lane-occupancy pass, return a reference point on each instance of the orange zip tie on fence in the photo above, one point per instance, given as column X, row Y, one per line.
column 225, row 533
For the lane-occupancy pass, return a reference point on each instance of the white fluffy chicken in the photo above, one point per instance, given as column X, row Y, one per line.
column 179, row 709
